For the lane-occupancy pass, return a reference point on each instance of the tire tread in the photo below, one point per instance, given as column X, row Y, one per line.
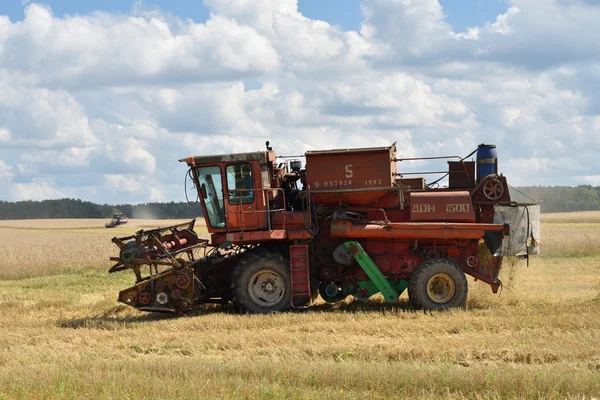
column 240, row 303
column 416, row 281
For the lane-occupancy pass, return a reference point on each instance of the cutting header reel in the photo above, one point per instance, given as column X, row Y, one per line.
column 163, row 262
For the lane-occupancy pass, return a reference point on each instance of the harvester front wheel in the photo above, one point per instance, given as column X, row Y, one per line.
column 437, row 284
column 261, row 283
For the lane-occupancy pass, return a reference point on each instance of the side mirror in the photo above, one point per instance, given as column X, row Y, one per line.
column 203, row 191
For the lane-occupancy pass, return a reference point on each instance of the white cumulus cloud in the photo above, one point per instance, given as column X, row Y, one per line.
column 101, row 106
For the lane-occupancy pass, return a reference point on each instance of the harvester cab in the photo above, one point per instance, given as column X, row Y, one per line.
column 348, row 224
column 232, row 189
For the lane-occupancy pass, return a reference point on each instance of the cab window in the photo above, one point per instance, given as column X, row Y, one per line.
column 210, row 179
column 239, row 183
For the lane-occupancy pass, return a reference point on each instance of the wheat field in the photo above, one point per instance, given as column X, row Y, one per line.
column 63, row 334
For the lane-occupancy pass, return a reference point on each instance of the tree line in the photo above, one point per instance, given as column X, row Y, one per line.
column 561, row 198
column 75, row 208
column 552, row 199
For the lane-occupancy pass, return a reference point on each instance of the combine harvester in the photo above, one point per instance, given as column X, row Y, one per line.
column 117, row 220
column 348, row 224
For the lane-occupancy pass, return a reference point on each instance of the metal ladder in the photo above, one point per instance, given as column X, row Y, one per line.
column 300, row 275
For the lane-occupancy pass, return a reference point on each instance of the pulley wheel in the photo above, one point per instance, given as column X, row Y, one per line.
column 162, row 298
column 183, row 281
column 327, row 274
column 144, row 298
column 185, row 303
column 176, row 294
column 493, row 189
column 433, row 252
column 472, row 261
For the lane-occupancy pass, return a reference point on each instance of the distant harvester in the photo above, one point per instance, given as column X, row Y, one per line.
column 117, row 219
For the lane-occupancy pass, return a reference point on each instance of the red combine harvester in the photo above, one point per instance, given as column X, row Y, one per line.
column 348, row 224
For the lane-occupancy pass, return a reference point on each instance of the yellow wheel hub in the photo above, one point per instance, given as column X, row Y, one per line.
column 440, row 288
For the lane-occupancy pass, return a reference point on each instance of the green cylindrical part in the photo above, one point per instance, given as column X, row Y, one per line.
column 127, row 256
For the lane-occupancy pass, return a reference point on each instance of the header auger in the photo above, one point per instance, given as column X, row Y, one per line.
column 348, row 224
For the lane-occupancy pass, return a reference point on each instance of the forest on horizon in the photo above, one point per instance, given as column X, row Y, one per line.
column 552, row 199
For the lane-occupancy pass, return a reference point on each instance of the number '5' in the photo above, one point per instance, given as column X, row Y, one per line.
column 348, row 170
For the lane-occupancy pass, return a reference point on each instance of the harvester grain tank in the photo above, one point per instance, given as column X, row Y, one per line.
column 348, row 224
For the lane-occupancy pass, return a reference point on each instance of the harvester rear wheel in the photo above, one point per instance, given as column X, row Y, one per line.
column 261, row 283
column 437, row 284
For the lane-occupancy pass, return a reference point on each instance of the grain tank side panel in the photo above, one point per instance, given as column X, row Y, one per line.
column 351, row 169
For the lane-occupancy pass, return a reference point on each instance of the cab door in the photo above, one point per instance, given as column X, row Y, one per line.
column 210, row 186
column 245, row 203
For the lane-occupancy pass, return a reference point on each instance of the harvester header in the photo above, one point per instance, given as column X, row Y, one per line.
column 350, row 222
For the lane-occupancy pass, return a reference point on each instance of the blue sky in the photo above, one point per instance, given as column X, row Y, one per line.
column 110, row 103
column 346, row 13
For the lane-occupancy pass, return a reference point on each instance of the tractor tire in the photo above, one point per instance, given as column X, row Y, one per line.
column 261, row 283
column 437, row 284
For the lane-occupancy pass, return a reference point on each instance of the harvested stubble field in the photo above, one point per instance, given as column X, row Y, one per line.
column 63, row 335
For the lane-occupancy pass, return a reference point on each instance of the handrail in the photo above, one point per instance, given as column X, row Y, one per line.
column 425, row 158
column 419, row 173
column 298, row 156
column 461, row 160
